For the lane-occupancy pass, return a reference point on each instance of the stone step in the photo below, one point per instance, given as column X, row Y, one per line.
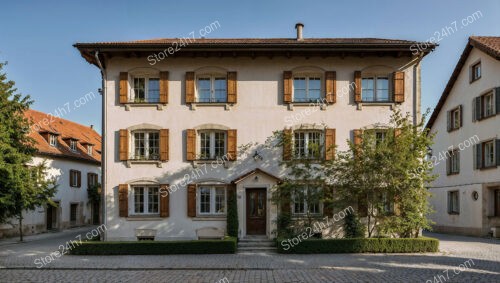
column 257, row 244
column 246, row 239
column 256, row 249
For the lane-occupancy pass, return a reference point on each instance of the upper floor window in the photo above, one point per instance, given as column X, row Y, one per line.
column 90, row 149
column 53, row 140
column 487, row 154
column 212, row 88
column 306, row 200
column 453, row 202
column 92, row 179
column 146, row 145
column 488, row 105
column 308, row 144
column 211, row 200
column 212, row 144
column 475, row 72
column 145, row 90
column 75, row 178
column 73, row 145
column 454, row 118
column 375, row 89
column 306, row 88
column 146, row 199
column 453, row 164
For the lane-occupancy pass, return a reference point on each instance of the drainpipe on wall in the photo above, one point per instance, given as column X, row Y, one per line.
column 417, row 90
column 103, row 142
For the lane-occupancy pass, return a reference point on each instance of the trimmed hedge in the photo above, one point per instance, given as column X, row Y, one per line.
column 226, row 246
column 359, row 245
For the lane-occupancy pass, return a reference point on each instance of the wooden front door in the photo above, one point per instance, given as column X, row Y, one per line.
column 51, row 217
column 256, row 211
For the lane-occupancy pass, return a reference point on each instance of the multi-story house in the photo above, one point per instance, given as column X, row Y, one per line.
column 466, row 153
column 184, row 116
column 72, row 155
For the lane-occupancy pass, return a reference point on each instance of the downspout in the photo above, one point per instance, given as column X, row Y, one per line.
column 417, row 90
column 103, row 143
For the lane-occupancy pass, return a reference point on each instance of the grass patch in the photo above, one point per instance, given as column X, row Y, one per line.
column 226, row 246
column 359, row 245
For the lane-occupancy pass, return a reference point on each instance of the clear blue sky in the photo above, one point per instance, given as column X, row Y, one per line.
column 36, row 37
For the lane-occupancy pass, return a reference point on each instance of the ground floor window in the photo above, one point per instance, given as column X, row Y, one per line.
column 453, row 202
column 211, row 200
column 146, row 199
column 306, row 200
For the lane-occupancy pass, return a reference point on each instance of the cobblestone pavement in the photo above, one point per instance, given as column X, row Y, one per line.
column 481, row 256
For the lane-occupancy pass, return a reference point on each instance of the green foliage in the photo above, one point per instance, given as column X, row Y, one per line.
column 353, row 227
column 93, row 192
column 226, row 246
column 362, row 245
column 232, row 216
column 284, row 225
column 21, row 187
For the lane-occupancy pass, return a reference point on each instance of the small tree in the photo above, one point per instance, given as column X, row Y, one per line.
column 232, row 215
column 353, row 228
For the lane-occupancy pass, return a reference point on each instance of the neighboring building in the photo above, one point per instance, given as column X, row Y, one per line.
column 466, row 195
column 169, row 123
column 72, row 153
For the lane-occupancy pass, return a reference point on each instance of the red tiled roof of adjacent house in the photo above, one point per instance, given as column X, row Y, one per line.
column 64, row 129
column 488, row 44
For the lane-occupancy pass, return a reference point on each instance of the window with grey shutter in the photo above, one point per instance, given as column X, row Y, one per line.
column 497, row 151
column 448, row 120
column 477, row 108
column 479, row 155
column 497, row 100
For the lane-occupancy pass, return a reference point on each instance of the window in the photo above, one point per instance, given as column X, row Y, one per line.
column 211, row 200
column 380, row 136
column 53, row 140
column 489, row 153
column 212, row 89
column 75, row 178
column 475, row 72
column 89, row 149
column 488, row 105
column 73, row 144
column 146, row 200
column 388, row 201
column 306, row 200
column 92, row 179
column 307, row 144
column 497, row 202
column 306, row 89
column 146, row 145
column 485, row 105
column 212, row 144
column 453, row 164
column 146, row 90
column 375, row 89
column 453, row 202
column 455, row 118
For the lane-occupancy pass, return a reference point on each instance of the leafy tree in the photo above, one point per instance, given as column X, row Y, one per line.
column 22, row 187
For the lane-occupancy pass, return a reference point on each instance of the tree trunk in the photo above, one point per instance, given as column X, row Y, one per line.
column 20, row 227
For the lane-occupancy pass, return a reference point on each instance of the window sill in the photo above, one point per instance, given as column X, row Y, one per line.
column 155, row 217
column 319, row 104
column 210, row 218
column 159, row 106
column 392, row 105
column 304, row 216
column 488, row 167
column 453, row 213
column 157, row 162
column 452, row 174
column 213, row 162
column 227, row 106
column 486, row 117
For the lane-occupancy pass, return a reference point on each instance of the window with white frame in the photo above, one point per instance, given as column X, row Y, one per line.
column 146, row 199
column 53, row 140
column 375, row 89
column 73, row 145
column 211, row 88
column 146, row 145
column 453, row 162
column 475, row 72
column 380, row 136
column 89, row 149
column 488, row 105
column 212, row 144
column 388, row 201
column 146, row 90
column 306, row 88
column 489, row 153
column 211, row 200
column 75, row 178
column 306, row 200
column 453, row 202
column 308, row 144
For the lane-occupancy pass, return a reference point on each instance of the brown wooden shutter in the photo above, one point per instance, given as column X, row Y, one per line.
column 287, row 87
column 79, row 178
column 285, row 201
column 164, row 135
column 89, row 181
column 398, row 86
column 231, row 145
column 357, row 86
column 331, row 87
column 358, row 136
column 71, row 173
column 123, row 87
column 190, row 144
column 232, row 89
column 397, row 132
column 123, row 200
column 164, row 201
column 287, row 144
column 190, row 87
column 124, row 137
column 191, row 198
column 164, row 87
column 329, row 144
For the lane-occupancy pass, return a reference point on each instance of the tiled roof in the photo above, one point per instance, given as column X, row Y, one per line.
column 43, row 122
column 488, row 44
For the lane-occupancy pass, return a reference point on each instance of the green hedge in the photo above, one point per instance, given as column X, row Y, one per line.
column 359, row 245
column 226, row 246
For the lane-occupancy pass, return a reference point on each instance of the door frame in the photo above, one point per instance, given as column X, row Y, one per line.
column 266, row 189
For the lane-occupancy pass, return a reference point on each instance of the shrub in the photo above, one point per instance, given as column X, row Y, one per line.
column 226, row 246
column 359, row 245
column 353, row 227
column 232, row 216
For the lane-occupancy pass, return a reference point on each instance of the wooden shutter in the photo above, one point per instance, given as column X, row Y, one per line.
column 448, row 165
column 478, row 109
column 123, row 200
column 191, row 198
column 124, row 138
column 328, row 204
column 329, row 144
column 164, row 87
column 190, row 144
column 497, row 100
column 449, row 201
column 123, row 87
column 287, row 144
column 190, row 87
column 164, row 201
column 285, row 202
column 497, row 151
column 89, row 179
column 232, row 89
column 71, row 173
column 398, row 86
column 231, row 145
column 331, row 86
column 357, row 136
column 357, row 86
column 397, row 132
column 448, row 121
column 461, row 115
column 287, row 86
column 79, row 178
column 164, row 135
column 479, row 155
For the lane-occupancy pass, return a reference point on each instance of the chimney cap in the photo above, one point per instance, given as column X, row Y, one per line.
column 299, row 24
